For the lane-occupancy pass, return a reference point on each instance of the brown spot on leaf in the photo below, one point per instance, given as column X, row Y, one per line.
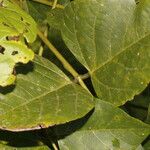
column 14, row 72
column 13, row 38
column 2, row 49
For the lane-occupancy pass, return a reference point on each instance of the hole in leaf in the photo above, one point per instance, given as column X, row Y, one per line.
column 2, row 49
column 14, row 38
column 14, row 53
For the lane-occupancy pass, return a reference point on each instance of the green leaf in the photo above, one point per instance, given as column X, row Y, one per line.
column 54, row 18
column 15, row 22
column 12, row 52
column 43, row 96
column 63, row 2
column 140, row 148
column 108, row 128
column 112, row 40
column 38, row 11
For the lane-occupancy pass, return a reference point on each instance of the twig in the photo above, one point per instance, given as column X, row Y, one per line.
column 65, row 63
column 54, row 4
column 45, row 2
column 41, row 49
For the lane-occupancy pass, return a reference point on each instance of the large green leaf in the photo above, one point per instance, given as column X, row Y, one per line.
column 108, row 128
column 43, row 96
column 112, row 40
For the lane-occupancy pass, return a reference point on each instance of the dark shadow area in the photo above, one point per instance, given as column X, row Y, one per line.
column 146, row 92
column 7, row 89
column 18, row 139
column 89, row 84
column 46, row 136
column 24, row 68
column 64, row 130
column 138, row 107
column 24, row 139
column 146, row 140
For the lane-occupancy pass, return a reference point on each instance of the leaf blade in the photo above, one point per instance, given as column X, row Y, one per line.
column 114, row 130
column 44, row 94
column 100, row 34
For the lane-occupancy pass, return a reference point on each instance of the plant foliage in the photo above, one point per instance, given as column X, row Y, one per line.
column 75, row 74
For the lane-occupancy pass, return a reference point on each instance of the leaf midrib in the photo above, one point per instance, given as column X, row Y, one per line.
column 113, row 129
column 119, row 53
column 34, row 99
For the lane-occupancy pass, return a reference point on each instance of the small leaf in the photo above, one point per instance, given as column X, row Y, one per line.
column 44, row 93
column 15, row 22
column 112, row 40
column 12, row 52
column 108, row 128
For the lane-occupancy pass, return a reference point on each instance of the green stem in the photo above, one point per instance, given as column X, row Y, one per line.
column 45, row 2
column 41, row 49
column 85, row 76
column 65, row 63
column 54, row 4
column 54, row 146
